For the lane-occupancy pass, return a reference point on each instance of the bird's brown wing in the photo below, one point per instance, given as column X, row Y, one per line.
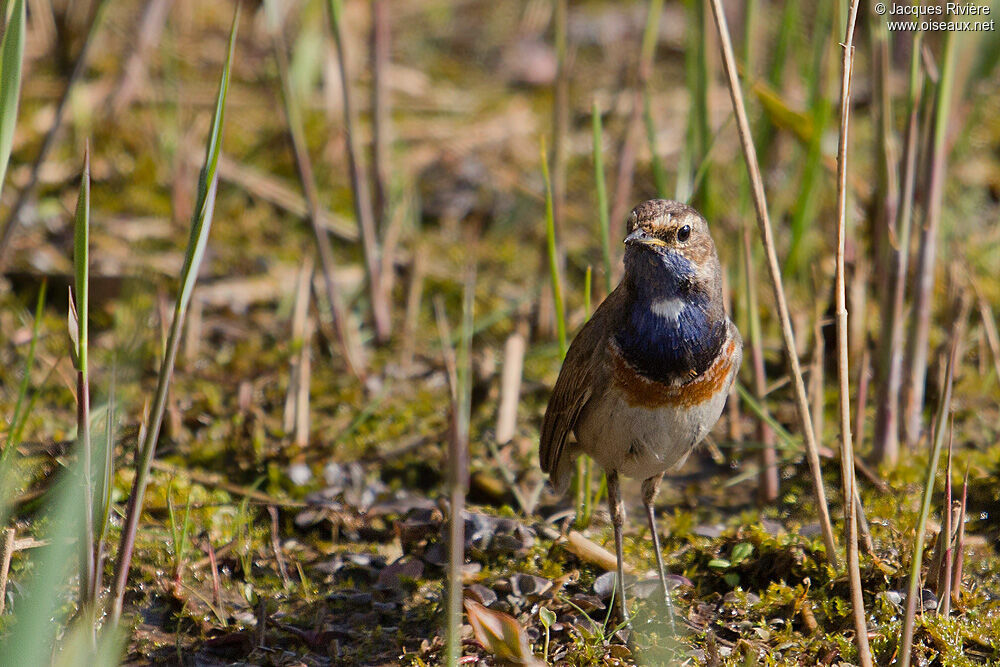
column 584, row 373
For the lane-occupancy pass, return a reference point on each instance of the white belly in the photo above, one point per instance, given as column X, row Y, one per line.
column 640, row 442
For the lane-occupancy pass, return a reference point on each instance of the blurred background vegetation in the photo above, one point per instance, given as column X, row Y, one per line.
column 379, row 313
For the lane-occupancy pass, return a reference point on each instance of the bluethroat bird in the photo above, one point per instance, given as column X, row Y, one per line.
column 647, row 377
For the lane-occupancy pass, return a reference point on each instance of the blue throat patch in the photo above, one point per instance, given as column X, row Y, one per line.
column 675, row 342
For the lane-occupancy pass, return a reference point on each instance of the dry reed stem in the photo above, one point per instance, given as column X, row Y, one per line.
column 843, row 374
column 297, row 402
column 510, row 386
column 990, row 328
column 817, row 373
column 6, row 551
column 764, row 224
column 381, row 309
column 956, row 584
column 944, row 589
column 276, row 546
column 346, row 335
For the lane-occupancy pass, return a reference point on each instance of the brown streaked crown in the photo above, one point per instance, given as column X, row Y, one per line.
column 664, row 218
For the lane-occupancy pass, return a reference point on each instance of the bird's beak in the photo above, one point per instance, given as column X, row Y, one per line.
column 639, row 235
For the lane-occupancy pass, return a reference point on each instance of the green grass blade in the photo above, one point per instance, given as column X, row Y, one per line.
column 34, row 634
column 200, row 227
column 602, row 196
column 107, row 457
column 79, row 331
column 81, row 263
column 550, row 236
column 11, row 58
column 913, row 591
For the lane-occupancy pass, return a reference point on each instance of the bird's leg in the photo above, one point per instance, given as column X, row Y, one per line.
column 617, row 521
column 650, row 488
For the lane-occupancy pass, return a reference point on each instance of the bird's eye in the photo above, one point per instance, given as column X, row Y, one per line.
column 684, row 233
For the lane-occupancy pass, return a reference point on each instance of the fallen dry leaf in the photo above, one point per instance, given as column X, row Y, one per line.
column 501, row 635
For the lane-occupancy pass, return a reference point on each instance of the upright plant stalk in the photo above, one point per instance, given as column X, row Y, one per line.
column 585, row 465
column 887, row 189
column 381, row 132
column 890, row 353
column 381, row 312
column 560, row 116
column 102, row 506
column 79, row 331
column 602, row 197
column 201, row 225
column 769, row 480
column 347, row 337
column 913, row 590
column 460, row 385
column 820, row 105
column 553, row 253
column 764, row 224
column 626, row 161
column 843, row 376
column 699, row 130
column 917, row 345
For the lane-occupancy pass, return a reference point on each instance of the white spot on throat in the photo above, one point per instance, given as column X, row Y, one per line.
column 668, row 307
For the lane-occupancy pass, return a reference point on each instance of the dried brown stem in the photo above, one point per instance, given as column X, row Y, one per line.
column 381, row 313
column 6, row 551
column 774, row 268
column 346, row 335
column 956, row 584
column 843, row 374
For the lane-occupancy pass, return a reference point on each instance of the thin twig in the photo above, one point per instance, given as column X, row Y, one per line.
column 764, row 223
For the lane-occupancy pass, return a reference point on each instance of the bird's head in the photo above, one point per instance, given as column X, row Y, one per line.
column 670, row 252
